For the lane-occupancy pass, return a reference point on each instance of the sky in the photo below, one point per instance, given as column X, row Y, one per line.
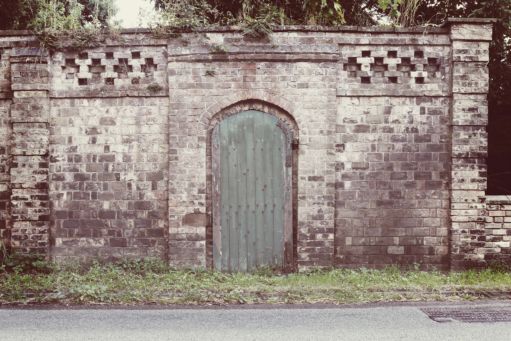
column 129, row 10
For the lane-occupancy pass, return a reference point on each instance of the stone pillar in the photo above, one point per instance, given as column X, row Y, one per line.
column 30, row 109
column 470, row 45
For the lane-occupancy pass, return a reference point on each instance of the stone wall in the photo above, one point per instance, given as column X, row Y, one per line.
column 110, row 151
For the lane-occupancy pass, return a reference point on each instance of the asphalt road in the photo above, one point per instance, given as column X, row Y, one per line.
column 381, row 322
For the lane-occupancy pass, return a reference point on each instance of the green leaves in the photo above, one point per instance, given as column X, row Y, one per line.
column 391, row 7
column 262, row 13
column 323, row 12
column 55, row 14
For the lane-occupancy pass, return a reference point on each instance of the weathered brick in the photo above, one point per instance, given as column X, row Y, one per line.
column 129, row 152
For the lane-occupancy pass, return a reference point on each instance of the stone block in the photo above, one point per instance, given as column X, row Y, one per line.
column 30, row 237
column 35, row 108
column 472, row 32
column 31, row 76
column 29, row 172
column 471, row 51
column 471, row 78
column 30, row 139
column 30, row 204
column 470, row 109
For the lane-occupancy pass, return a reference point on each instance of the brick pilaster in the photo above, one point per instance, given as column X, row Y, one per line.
column 29, row 151
column 470, row 43
column 5, row 133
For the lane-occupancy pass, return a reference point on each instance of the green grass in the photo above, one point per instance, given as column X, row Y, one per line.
column 154, row 283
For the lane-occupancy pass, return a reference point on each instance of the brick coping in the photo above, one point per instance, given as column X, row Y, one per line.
column 498, row 199
column 442, row 28
column 291, row 28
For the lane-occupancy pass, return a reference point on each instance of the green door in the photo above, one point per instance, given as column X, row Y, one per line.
column 251, row 192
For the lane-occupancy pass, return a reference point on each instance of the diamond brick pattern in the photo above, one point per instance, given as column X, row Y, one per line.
column 404, row 70
column 114, row 72
column 391, row 69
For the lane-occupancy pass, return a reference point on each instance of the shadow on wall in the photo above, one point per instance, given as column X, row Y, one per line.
column 499, row 154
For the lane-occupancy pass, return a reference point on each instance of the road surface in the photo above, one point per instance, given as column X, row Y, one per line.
column 373, row 322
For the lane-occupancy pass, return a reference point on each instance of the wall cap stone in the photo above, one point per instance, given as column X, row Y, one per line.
column 498, row 199
column 307, row 28
column 29, row 52
column 285, row 28
column 451, row 21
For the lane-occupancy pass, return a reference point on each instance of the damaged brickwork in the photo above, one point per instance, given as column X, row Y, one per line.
column 106, row 152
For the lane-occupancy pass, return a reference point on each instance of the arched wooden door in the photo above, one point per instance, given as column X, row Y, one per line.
column 252, row 208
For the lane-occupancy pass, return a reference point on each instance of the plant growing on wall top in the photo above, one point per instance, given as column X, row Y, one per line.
column 186, row 14
column 255, row 17
column 20, row 14
column 59, row 23
column 401, row 12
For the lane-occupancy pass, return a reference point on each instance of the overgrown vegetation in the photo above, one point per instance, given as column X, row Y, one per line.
column 21, row 263
column 304, row 12
column 60, row 23
column 153, row 282
column 22, row 14
column 401, row 12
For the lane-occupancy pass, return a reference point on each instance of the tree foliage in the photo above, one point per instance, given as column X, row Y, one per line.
column 437, row 11
column 305, row 12
column 30, row 14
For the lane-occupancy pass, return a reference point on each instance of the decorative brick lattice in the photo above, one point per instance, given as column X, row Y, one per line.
column 114, row 71
column 109, row 70
column 411, row 68
column 391, row 69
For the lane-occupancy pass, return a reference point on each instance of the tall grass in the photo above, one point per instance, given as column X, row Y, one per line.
column 155, row 282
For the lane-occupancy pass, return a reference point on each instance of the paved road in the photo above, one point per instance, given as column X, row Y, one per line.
column 387, row 322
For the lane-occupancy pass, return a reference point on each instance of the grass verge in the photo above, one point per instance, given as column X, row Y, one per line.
column 144, row 283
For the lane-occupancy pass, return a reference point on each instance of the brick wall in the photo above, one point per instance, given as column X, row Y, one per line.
column 493, row 244
column 108, row 177
column 393, row 152
column 299, row 88
column 393, row 177
column 110, row 153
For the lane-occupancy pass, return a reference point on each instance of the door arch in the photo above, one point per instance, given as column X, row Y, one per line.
column 252, row 196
